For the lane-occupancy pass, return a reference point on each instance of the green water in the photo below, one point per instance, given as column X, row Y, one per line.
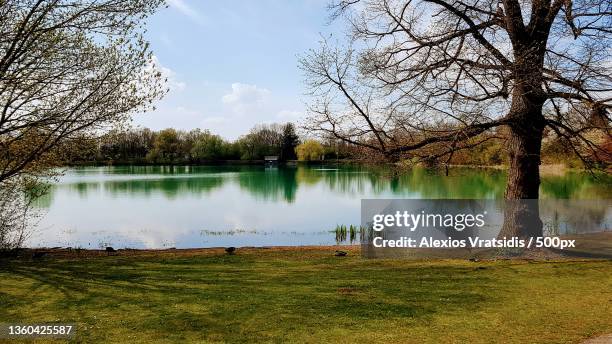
column 207, row 206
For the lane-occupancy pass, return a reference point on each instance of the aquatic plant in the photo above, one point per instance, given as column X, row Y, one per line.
column 342, row 232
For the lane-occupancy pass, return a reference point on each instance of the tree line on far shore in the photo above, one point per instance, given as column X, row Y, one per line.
column 172, row 146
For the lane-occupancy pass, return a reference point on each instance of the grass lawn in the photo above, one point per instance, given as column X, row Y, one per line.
column 308, row 295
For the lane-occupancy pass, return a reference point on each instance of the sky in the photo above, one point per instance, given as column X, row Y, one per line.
column 233, row 64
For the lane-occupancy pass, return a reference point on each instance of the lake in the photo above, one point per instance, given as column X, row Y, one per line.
column 211, row 206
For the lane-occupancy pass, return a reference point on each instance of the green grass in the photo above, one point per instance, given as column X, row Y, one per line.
column 310, row 296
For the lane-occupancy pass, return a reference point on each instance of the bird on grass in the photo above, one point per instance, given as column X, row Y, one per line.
column 340, row 253
column 230, row 250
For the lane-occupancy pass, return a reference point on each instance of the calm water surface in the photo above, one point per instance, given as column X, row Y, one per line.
column 208, row 206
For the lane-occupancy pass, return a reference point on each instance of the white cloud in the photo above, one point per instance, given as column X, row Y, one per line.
column 185, row 9
column 245, row 97
column 173, row 83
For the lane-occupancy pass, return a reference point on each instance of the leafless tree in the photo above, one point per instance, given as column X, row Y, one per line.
column 423, row 73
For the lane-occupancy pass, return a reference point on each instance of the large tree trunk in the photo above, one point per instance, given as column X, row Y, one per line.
column 521, row 213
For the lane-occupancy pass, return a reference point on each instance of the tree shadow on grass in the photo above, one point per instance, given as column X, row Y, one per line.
column 224, row 296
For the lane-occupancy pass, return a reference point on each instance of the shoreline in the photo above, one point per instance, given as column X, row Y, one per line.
column 546, row 169
column 68, row 252
column 302, row 251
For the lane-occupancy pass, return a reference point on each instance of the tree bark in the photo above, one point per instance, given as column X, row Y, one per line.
column 524, row 170
column 521, row 213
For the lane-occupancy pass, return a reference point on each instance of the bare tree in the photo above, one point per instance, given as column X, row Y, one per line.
column 423, row 73
column 69, row 67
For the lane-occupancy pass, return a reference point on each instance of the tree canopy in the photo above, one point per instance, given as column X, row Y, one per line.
column 425, row 72
column 69, row 67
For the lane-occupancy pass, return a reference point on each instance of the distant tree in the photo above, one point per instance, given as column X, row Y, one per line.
column 262, row 140
column 290, row 140
column 310, row 150
column 125, row 145
column 167, row 147
column 210, row 147
column 83, row 148
column 188, row 141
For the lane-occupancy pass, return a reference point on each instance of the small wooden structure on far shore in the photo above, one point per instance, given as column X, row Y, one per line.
column 271, row 159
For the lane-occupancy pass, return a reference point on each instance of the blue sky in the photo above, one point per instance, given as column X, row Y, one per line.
column 233, row 64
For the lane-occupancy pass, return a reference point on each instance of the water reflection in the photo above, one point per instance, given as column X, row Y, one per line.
column 282, row 183
column 563, row 216
column 270, row 183
column 155, row 206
